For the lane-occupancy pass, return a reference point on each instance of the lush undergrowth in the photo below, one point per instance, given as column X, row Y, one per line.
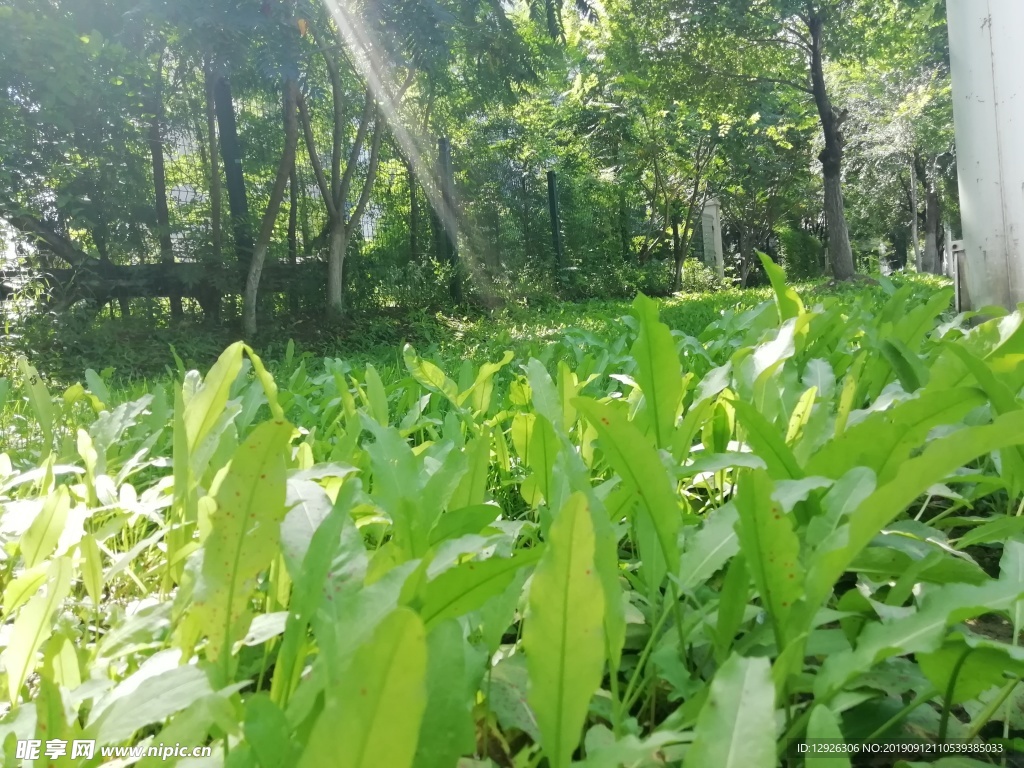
column 704, row 538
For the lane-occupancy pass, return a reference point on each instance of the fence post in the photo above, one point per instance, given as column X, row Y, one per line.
column 448, row 216
column 556, row 224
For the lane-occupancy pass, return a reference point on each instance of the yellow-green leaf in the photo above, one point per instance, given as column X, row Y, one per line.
column 564, row 632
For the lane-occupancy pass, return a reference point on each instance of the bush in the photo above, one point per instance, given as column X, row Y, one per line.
column 801, row 253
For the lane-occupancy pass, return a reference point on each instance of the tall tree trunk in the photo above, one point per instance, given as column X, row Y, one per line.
column 231, row 151
column 211, row 301
column 211, row 139
column 677, row 256
column 293, row 225
column 931, row 262
column 839, row 251
column 915, row 236
column 259, row 254
column 337, row 245
column 746, row 254
column 414, row 214
column 156, row 148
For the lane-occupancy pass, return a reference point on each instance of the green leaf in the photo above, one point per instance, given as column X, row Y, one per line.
column 637, row 462
column 824, row 727
column 38, row 399
column 786, row 299
column 659, row 372
column 467, row 586
column 921, row 632
column 736, row 727
column 136, row 703
column 40, row 540
column 244, row 536
column 376, row 395
column 710, row 547
column 448, row 730
column 33, row 625
column 563, row 632
column 429, row 375
column 268, row 732
column 373, row 718
column 205, row 407
column 767, row 442
column 913, row 478
column 772, row 550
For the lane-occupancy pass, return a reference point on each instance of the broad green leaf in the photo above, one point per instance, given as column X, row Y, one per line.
column 913, row 478
column 563, row 632
column 244, row 536
column 885, row 439
column 978, row 667
column 38, row 399
column 921, row 632
column 1011, row 568
column 268, row 732
column 33, row 625
column 40, row 540
column 772, row 551
column 479, row 393
column 708, row 549
column 373, row 718
column 472, row 488
column 659, row 372
column 376, row 395
column 637, row 462
column 152, row 700
column 91, row 567
column 824, row 727
column 507, row 690
column 448, row 730
column 467, row 586
column 736, row 727
column 22, row 587
column 205, row 407
column 767, row 442
column 786, row 299
column 429, row 375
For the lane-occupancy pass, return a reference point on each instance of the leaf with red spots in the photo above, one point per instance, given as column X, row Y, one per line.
column 772, row 550
column 244, row 536
column 372, row 719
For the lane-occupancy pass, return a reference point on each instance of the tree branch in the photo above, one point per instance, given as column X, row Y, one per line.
column 314, row 159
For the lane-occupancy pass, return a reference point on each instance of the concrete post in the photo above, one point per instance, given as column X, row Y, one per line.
column 987, row 60
column 711, row 222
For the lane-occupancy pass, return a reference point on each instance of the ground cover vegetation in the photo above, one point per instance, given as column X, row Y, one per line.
column 509, row 470
column 618, row 546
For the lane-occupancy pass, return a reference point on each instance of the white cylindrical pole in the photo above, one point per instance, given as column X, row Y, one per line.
column 986, row 44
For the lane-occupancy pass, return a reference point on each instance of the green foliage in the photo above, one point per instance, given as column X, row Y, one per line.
column 618, row 545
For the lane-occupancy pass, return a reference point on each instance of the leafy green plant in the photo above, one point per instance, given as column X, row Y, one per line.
column 616, row 546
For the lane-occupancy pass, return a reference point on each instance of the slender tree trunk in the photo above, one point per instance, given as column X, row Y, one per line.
column 156, row 148
column 746, row 255
column 337, row 246
column 293, row 235
column 414, row 214
column 211, row 138
column 231, row 151
column 262, row 246
column 915, row 236
column 931, row 262
column 211, row 309
column 677, row 256
column 839, row 251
